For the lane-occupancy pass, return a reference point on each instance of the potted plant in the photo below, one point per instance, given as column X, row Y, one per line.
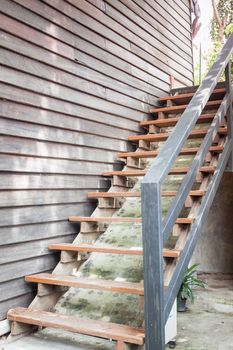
column 186, row 289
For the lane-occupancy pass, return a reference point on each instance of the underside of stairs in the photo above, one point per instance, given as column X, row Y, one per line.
column 95, row 297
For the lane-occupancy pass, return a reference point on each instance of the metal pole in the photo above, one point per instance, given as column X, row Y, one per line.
column 153, row 266
column 229, row 114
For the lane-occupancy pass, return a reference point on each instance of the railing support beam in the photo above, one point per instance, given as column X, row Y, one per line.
column 153, row 266
column 154, row 231
column 229, row 114
column 195, row 232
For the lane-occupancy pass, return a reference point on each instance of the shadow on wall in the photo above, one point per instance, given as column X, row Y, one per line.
column 214, row 250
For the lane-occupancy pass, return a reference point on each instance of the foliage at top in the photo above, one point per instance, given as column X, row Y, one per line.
column 221, row 29
column 217, row 46
column 223, row 17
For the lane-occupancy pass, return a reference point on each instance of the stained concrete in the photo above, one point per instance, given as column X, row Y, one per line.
column 208, row 324
column 59, row 340
column 215, row 247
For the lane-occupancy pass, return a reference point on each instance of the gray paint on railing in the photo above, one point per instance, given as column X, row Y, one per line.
column 175, row 142
column 153, row 264
column 156, row 311
column 229, row 113
column 195, row 231
column 187, row 184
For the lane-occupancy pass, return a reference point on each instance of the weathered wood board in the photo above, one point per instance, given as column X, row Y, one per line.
column 76, row 78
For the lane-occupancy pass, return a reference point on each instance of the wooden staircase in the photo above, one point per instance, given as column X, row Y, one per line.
column 115, row 211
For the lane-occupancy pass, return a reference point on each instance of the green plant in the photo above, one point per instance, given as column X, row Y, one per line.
column 222, row 18
column 189, row 282
column 221, row 29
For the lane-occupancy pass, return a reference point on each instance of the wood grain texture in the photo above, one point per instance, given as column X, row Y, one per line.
column 181, row 108
column 175, row 98
column 177, row 170
column 149, row 154
column 120, row 219
column 108, row 250
column 30, row 250
column 77, row 77
column 37, row 231
column 163, row 122
column 21, row 268
column 163, row 136
column 22, row 300
column 74, row 324
column 87, row 283
column 136, row 194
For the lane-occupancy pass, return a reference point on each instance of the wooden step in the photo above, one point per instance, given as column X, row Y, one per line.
column 75, row 324
column 173, row 171
column 151, row 154
column 120, row 219
column 165, row 135
column 113, row 194
column 181, row 108
column 90, row 248
column 189, row 95
column 87, row 283
column 197, row 193
column 102, row 219
column 205, row 118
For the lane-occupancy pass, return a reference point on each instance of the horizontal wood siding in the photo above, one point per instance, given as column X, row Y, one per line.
column 76, row 78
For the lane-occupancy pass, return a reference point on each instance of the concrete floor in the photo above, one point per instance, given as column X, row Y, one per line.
column 207, row 325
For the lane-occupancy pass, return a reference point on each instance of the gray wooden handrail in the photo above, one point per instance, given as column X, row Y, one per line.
column 168, row 154
column 195, row 231
column 155, row 231
column 182, row 193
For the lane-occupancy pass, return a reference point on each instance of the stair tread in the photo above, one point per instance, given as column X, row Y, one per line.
column 181, row 108
column 165, row 135
column 90, row 248
column 119, row 219
column 172, row 121
column 148, row 154
column 75, row 324
column 189, row 94
column 89, row 283
column 138, row 194
column 103, row 219
column 135, row 173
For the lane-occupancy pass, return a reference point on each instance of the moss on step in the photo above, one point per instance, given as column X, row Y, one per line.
column 101, row 305
column 119, row 307
column 77, row 341
column 109, row 306
column 113, row 266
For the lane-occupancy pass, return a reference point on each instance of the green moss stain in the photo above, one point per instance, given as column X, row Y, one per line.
column 119, row 307
column 105, row 306
column 77, row 341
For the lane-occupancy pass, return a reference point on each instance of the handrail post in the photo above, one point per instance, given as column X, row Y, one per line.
column 229, row 113
column 153, row 229
column 153, row 266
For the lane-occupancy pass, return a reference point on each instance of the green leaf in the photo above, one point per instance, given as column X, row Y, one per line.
column 190, row 281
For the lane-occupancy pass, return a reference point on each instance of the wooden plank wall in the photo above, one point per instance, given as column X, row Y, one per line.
column 76, row 77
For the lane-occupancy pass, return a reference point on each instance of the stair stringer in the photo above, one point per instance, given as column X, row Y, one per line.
column 46, row 298
column 97, row 212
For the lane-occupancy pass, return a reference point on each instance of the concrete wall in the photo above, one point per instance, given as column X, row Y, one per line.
column 214, row 250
